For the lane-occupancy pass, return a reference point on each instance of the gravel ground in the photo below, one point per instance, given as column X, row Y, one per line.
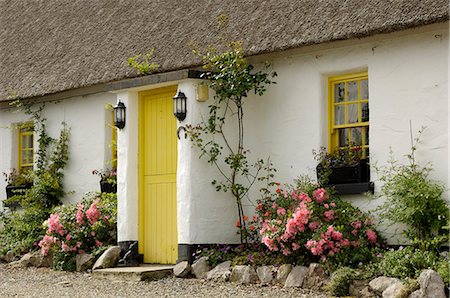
column 43, row 282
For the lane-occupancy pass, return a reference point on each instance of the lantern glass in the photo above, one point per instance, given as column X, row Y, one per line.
column 119, row 115
column 179, row 106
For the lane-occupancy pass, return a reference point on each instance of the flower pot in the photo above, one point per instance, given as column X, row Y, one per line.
column 348, row 174
column 108, row 187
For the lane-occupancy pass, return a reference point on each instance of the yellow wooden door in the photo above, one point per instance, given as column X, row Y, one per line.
column 158, row 164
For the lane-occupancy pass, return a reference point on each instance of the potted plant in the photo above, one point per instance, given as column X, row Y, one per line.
column 16, row 184
column 108, row 180
column 342, row 166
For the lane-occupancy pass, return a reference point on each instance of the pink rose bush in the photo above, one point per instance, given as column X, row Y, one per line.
column 75, row 229
column 309, row 221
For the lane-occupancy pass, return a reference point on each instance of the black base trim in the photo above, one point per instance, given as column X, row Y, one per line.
column 129, row 255
column 353, row 188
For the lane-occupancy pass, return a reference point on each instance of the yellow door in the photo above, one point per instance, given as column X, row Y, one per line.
column 158, row 239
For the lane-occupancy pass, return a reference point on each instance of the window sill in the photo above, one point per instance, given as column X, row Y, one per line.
column 353, row 188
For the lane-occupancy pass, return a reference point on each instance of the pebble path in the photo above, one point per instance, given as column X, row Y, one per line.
column 43, row 282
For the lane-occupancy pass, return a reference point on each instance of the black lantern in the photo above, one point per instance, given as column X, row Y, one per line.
column 179, row 106
column 119, row 115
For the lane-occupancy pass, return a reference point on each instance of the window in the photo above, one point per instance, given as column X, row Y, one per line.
column 26, row 147
column 349, row 112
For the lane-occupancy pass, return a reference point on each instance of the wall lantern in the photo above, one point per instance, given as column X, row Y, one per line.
column 119, row 115
column 179, row 106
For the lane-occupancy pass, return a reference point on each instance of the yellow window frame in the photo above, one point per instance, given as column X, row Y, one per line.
column 333, row 136
column 113, row 142
column 26, row 145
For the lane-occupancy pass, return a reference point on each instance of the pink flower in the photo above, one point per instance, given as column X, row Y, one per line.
column 274, row 205
column 54, row 225
column 286, row 251
column 314, row 225
column 93, row 213
column 332, row 204
column 259, row 207
column 46, row 243
column 295, row 246
column 98, row 243
column 329, row 215
column 68, row 237
column 252, row 228
column 238, row 224
column 356, row 224
column 345, row 242
column 65, row 247
column 80, row 215
column 326, row 206
column 371, row 236
column 304, row 197
column 320, row 195
column 245, row 217
column 281, row 211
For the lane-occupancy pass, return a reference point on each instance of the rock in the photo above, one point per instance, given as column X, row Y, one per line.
column 431, row 284
column 265, row 274
column 416, row 294
column 296, row 277
column 37, row 259
column 182, row 269
column 24, row 260
column 380, row 284
column 221, row 272
column 394, row 290
column 84, row 262
column 283, row 273
column 108, row 259
column 243, row 275
column 315, row 278
column 200, row 268
column 360, row 288
column 9, row 257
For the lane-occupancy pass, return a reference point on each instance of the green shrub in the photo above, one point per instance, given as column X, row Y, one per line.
column 412, row 198
column 407, row 262
column 443, row 268
column 22, row 230
column 341, row 280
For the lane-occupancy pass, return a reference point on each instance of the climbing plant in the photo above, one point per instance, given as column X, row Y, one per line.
column 22, row 230
column 232, row 78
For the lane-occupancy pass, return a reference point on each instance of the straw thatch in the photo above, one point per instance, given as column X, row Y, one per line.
column 48, row 46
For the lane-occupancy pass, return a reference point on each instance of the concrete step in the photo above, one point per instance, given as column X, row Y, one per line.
column 143, row 272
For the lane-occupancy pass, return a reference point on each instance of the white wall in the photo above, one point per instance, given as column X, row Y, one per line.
column 90, row 135
column 408, row 80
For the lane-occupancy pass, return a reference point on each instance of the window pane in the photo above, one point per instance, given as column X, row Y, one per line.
column 364, row 111
column 343, row 137
column 352, row 88
column 353, row 113
column 356, row 136
column 366, row 131
column 364, row 89
column 339, row 115
column 339, row 92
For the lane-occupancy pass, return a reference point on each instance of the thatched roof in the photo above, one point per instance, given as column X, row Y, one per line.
column 48, row 46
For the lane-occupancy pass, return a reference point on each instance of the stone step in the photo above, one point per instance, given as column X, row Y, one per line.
column 143, row 272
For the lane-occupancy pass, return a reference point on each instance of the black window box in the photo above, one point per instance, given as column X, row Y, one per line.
column 15, row 190
column 352, row 188
column 107, row 187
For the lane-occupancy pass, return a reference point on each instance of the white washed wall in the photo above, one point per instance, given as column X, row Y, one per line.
column 408, row 80
column 90, row 136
